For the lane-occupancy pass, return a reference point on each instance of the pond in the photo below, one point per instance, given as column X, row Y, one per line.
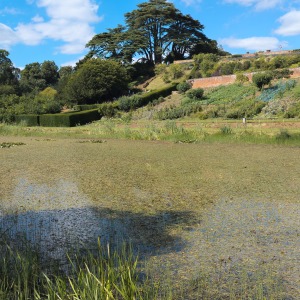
column 229, row 235
column 228, row 213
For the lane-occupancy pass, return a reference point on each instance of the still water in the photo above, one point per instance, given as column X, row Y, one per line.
column 56, row 218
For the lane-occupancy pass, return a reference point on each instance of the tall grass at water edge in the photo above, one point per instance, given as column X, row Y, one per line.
column 118, row 274
column 164, row 131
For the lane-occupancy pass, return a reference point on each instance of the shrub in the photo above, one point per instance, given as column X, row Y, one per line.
column 127, row 103
column 226, row 130
column 178, row 112
column 284, row 73
column 70, row 119
column 241, row 78
column 283, row 135
column 107, row 110
column 195, row 94
column 184, row 86
column 262, row 79
column 29, row 120
column 244, row 108
column 82, row 107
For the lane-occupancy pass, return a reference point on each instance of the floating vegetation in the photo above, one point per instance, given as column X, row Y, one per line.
column 9, row 144
column 92, row 141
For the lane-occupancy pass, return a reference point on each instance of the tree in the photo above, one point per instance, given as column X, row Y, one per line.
column 36, row 76
column 50, row 72
column 156, row 30
column 114, row 44
column 97, row 81
column 185, row 33
column 8, row 73
column 262, row 79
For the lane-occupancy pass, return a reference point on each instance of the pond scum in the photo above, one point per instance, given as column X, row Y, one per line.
column 109, row 271
column 118, row 273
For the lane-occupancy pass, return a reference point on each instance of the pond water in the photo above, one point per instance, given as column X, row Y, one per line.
column 231, row 233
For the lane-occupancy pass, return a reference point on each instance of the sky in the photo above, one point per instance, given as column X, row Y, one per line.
column 58, row 30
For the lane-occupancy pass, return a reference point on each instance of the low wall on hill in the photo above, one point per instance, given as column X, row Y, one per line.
column 227, row 79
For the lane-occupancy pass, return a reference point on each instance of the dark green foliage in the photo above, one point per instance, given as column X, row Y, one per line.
column 10, row 105
column 156, row 30
column 227, row 68
column 262, row 79
column 283, row 135
column 127, row 103
column 205, row 64
column 245, row 108
column 178, row 112
column 82, row 107
column 97, row 81
column 226, row 130
column 70, row 119
column 8, row 73
column 28, row 120
column 36, row 76
column 108, row 110
column 283, row 73
column 195, row 94
column 183, row 86
column 135, row 101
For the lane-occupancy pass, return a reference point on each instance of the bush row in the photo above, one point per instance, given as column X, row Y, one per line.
column 178, row 112
column 136, row 101
column 60, row 120
column 29, row 120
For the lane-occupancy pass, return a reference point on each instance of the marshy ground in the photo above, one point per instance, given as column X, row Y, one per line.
column 224, row 209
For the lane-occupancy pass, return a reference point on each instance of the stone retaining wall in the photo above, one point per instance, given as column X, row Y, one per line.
column 227, row 79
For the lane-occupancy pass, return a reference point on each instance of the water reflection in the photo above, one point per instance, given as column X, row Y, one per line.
column 54, row 232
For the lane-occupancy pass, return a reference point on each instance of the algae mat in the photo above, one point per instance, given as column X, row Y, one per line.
column 194, row 206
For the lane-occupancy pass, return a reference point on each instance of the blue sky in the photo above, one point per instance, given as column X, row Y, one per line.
column 39, row 30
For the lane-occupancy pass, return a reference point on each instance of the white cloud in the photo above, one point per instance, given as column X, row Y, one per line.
column 9, row 11
column 257, row 4
column 290, row 24
column 191, row 2
column 72, row 63
column 37, row 19
column 69, row 21
column 8, row 37
column 253, row 43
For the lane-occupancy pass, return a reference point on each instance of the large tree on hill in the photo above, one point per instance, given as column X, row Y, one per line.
column 154, row 31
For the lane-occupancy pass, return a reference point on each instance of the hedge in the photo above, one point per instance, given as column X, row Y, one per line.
column 136, row 101
column 70, row 119
column 82, row 107
column 29, row 120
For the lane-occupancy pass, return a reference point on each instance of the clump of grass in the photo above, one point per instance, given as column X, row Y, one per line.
column 283, row 135
column 226, row 130
column 103, row 275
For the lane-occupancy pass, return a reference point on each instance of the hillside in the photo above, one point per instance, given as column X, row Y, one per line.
column 225, row 96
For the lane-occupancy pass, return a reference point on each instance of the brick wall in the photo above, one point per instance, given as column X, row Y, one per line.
column 227, row 79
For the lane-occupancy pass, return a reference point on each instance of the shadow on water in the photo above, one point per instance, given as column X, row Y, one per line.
column 56, row 232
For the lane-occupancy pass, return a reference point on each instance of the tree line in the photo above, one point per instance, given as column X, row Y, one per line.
column 154, row 33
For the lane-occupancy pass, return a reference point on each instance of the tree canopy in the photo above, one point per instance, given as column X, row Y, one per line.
column 155, row 31
column 97, row 81
column 8, row 73
column 36, row 76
